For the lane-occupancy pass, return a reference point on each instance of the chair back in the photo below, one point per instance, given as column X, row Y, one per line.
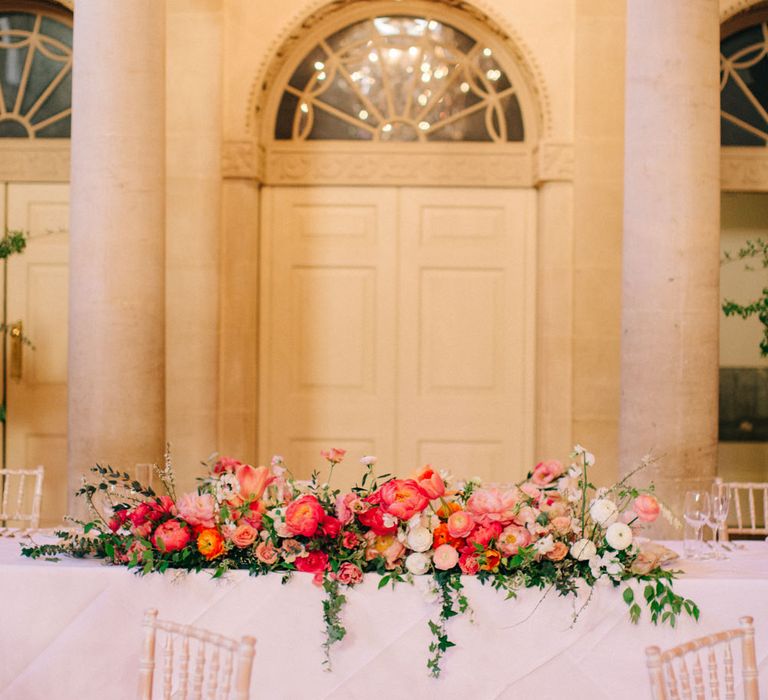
column 704, row 668
column 749, row 504
column 195, row 663
column 18, row 505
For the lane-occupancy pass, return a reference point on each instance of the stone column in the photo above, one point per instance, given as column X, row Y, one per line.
column 117, row 254
column 670, row 313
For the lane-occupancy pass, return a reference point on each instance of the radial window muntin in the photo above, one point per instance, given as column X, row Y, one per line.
column 35, row 73
column 446, row 86
column 744, row 114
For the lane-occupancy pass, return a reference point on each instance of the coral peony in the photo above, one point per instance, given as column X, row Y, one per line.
column 545, row 473
column 198, row 509
column 491, row 505
column 304, row 515
column 403, row 498
column 171, row 536
column 512, row 538
column 210, row 543
column 430, row 482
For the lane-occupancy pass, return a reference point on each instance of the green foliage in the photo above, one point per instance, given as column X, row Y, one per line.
column 452, row 602
column 12, row 242
column 332, row 607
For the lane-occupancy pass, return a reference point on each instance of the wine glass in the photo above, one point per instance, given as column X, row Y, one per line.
column 696, row 513
column 720, row 499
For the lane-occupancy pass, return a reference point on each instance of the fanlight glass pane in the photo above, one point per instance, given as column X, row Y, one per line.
column 744, row 87
column 400, row 78
column 35, row 75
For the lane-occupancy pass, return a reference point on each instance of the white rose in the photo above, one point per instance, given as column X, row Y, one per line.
column 419, row 539
column 417, row 563
column 583, row 549
column 603, row 512
column 619, row 536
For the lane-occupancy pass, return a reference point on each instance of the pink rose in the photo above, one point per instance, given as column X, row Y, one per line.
column 317, row 579
column 403, row 498
column 244, row 535
column 430, row 482
column 546, row 472
column 349, row 540
column 491, row 505
column 334, row 455
column 512, row 538
column 468, row 563
column 646, row 507
column 304, row 515
column 460, row 524
column 313, row 563
column 171, row 536
column 266, row 553
column 330, row 526
column 483, row 534
column 445, row 557
column 558, row 552
column 253, row 481
column 198, row 510
column 348, row 574
column 561, row 524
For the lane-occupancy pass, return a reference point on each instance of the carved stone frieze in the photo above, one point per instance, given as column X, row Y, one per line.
column 554, row 161
column 744, row 169
column 34, row 160
column 239, row 161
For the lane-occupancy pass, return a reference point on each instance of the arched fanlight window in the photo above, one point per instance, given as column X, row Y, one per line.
column 744, row 81
column 35, row 72
column 400, row 78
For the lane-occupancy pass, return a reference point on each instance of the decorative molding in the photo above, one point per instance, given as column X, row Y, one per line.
column 730, row 8
column 416, row 167
column 554, row 162
column 744, row 169
column 239, row 161
column 34, row 160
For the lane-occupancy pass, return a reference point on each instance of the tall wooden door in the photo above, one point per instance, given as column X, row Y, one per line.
column 37, row 287
column 398, row 322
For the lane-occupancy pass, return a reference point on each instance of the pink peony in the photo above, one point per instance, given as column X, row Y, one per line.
column 334, row 455
column 491, row 505
column 445, row 557
column 266, row 553
column 646, row 507
column 198, row 510
column 403, row 498
column 313, row 562
column 171, row 536
column 483, row 534
column 468, row 563
column 244, row 535
column 512, row 538
column 430, row 482
column 253, row 481
column 348, row 574
column 460, row 524
column 545, row 473
column 304, row 515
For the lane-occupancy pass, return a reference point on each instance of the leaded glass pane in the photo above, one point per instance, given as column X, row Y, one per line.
column 744, row 87
column 400, row 78
column 35, row 75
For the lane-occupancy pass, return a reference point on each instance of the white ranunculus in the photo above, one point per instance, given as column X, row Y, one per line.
column 417, row 563
column 419, row 539
column 583, row 549
column 603, row 512
column 619, row 536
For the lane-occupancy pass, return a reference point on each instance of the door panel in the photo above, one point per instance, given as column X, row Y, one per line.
column 37, row 296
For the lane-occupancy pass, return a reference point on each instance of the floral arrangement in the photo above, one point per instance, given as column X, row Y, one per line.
column 553, row 530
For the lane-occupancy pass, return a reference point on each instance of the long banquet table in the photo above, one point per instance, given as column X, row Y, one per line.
column 72, row 630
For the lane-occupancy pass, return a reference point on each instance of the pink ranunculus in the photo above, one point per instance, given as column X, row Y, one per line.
column 253, row 481
column 445, row 557
column 545, row 473
column 430, row 482
column 646, row 507
column 468, row 563
column 334, row 455
column 198, row 510
column 266, row 553
column 483, row 534
column 226, row 464
column 403, row 498
column 512, row 538
column 313, row 563
column 171, row 536
column 304, row 515
column 348, row 574
column 330, row 526
column 492, row 505
column 244, row 535
column 460, row 523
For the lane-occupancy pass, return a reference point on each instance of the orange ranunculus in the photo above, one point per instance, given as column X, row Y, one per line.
column 447, row 509
column 253, row 481
column 210, row 543
column 441, row 535
column 430, row 482
column 492, row 559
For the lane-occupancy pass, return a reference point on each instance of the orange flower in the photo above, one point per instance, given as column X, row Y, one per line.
column 440, row 535
column 447, row 509
column 492, row 559
column 210, row 543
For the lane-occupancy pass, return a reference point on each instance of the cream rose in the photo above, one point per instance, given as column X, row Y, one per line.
column 417, row 563
column 419, row 539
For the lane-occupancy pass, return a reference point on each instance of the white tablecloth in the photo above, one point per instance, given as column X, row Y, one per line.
column 71, row 630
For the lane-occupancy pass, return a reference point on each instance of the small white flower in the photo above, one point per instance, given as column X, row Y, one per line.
column 607, row 563
column 589, row 459
column 226, row 487
column 446, row 476
column 578, row 450
column 583, row 550
column 368, row 460
column 419, row 539
column 277, row 461
column 389, row 520
column 417, row 563
column 619, row 536
column 545, row 544
column 603, row 512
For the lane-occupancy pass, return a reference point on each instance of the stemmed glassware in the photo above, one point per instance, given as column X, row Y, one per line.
column 696, row 513
column 720, row 499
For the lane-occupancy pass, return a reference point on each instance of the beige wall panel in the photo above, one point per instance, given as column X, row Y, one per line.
column 51, row 452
